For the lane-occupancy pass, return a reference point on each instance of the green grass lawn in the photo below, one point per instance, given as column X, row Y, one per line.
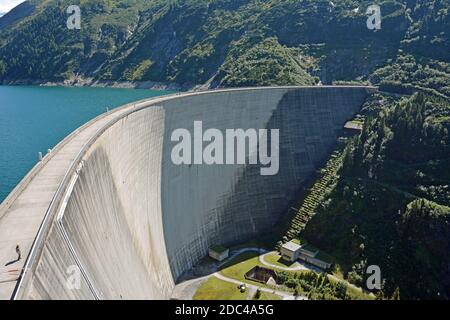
column 269, row 296
column 240, row 265
column 216, row 289
column 353, row 291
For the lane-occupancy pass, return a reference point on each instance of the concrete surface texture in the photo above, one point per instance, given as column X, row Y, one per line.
column 132, row 221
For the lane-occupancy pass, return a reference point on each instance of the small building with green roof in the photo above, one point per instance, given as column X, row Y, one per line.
column 219, row 253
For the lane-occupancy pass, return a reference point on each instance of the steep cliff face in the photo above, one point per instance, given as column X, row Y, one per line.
column 228, row 43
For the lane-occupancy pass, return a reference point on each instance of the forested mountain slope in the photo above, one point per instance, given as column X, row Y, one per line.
column 390, row 205
column 229, row 42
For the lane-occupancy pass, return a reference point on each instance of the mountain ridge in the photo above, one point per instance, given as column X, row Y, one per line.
column 227, row 43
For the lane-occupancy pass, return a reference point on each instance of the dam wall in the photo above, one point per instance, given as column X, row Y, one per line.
column 132, row 221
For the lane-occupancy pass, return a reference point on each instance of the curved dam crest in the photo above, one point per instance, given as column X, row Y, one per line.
column 133, row 221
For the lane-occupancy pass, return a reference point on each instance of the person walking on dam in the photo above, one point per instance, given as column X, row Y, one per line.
column 19, row 254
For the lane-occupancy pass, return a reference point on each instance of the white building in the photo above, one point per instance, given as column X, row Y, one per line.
column 290, row 251
column 219, row 253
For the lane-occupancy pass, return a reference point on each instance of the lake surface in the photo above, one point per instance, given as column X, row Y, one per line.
column 35, row 119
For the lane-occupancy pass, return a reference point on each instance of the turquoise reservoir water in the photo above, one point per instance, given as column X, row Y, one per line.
column 35, row 119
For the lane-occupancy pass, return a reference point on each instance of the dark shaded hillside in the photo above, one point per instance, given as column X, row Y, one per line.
column 386, row 199
column 391, row 205
column 232, row 43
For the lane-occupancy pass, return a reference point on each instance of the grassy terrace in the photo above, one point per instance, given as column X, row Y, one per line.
column 216, row 289
column 240, row 265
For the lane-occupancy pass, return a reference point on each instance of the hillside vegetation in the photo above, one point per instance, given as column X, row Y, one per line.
column 230, row 42
column 391, row 204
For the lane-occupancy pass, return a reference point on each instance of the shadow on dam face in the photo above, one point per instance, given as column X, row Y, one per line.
column 132, row 221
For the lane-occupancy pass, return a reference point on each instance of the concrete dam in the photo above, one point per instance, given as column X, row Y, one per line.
column 109, row 201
